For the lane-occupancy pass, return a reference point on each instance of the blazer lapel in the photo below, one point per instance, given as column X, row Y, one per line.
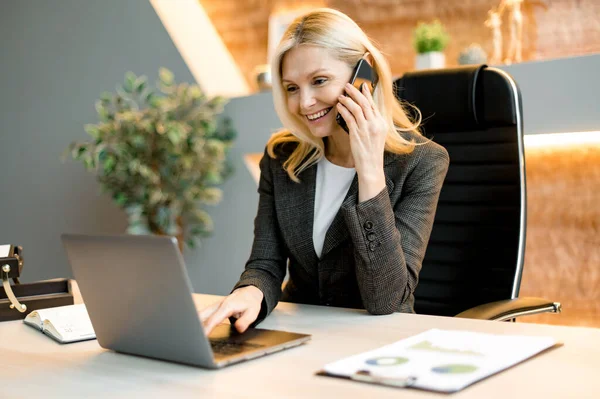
column 338, row 232
column 299, row 201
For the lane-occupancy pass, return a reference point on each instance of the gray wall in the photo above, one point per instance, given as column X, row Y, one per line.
column 560, row 95
column 57, row 57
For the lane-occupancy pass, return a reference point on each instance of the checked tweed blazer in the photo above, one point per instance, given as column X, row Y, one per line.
column 373, row 250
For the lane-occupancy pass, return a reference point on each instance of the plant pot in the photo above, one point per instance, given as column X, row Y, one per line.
column 139, row 225
column 430, row 60
column 179, row 235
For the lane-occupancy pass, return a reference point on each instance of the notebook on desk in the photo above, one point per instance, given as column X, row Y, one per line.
column 64, row 324
column 139, row 300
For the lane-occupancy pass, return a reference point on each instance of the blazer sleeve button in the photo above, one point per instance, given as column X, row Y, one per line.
column 371, row 236
column 373, row 245
column 368, row 225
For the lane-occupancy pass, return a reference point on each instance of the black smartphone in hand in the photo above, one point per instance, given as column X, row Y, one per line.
column 362, row 73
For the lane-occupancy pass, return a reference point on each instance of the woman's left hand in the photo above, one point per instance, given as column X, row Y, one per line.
column 367, row 130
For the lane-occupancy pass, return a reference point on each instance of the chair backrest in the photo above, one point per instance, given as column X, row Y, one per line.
column 475, row 253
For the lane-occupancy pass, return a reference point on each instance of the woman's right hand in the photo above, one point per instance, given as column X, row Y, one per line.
column 243, row 304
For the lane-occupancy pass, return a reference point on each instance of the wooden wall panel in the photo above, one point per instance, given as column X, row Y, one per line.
column 553, row 28
column 562, row 257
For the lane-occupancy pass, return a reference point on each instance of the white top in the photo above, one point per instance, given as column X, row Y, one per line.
column 333, row 182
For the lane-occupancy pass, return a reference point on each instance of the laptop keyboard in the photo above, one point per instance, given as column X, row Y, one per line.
column 226, row 347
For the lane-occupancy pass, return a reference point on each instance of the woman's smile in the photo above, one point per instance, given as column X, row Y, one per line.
column 318, row 116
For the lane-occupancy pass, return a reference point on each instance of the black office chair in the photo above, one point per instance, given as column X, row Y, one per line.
column 474, row 261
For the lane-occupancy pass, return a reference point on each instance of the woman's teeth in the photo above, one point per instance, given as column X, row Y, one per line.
column 318, row 115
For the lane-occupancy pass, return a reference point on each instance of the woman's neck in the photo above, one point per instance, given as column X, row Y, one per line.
column 337, row 149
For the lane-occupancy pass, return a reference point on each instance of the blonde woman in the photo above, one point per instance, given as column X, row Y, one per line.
column 349, row 214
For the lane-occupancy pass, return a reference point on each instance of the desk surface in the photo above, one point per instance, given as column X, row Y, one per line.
column 35, row 365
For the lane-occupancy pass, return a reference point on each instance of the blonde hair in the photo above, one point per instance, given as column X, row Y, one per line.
column 333, row 30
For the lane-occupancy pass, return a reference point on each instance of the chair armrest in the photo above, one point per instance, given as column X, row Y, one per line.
column 511, row 308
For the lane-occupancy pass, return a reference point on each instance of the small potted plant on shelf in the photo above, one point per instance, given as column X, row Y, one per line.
column 471, row 55
column 429, row 41
column 160, row 153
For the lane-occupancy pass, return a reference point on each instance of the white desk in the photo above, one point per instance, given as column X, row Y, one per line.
column 33, row 365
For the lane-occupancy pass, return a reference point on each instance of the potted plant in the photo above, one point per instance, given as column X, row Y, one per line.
column 429, row 41
column 473, row 54
column 160, row 153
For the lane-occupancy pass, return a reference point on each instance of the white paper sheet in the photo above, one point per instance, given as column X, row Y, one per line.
column 442, row 360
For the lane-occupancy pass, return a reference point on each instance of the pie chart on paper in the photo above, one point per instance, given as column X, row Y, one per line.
column 387, row 361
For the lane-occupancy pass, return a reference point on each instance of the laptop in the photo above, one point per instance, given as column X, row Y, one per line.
column 139, row 298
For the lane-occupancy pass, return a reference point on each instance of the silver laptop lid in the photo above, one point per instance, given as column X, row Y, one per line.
column 138, row 295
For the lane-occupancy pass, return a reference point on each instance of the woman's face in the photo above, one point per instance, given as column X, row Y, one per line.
column 313, row 79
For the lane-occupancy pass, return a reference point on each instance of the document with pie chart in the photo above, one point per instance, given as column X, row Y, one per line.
column 439, row 360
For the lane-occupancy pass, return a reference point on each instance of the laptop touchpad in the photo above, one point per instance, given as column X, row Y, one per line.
column 225, row 340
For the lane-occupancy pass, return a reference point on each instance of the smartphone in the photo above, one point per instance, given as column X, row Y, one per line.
column 362, row 73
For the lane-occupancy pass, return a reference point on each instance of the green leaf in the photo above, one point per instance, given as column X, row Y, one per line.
column 140, row 84
column 100, row 153
column 148, row 173
column 106, row 97
column 217, row 103
column 92, row 130
column 213, row 177
column 109, row 164
column 174, row 136
column 149, row 97
column 138, row 141
column 129, row 85
column 165, row 76
column 155, row 197
column 88, row 162
column 211, row 195
column 196, row 230
column 133, row 166
column 215, row 148
column 195, row 92
column 78, row 151
column 100, row 107
column 202, row 218
column 120, row 199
